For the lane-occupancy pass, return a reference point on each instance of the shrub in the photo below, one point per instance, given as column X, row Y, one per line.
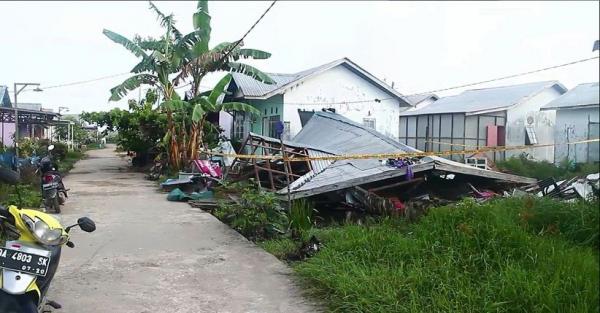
column 258, row 216
column 524, row 166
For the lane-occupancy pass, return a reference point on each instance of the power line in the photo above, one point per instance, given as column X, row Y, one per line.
column 505, row 77
column 237, row 43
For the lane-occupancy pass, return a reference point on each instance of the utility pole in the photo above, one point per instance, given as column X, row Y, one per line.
column 16, row 93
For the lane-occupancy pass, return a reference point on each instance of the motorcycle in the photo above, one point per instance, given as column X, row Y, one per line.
column 54, row 193
column 30, row 249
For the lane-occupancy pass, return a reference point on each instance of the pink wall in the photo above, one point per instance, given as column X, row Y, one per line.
column 9, row 129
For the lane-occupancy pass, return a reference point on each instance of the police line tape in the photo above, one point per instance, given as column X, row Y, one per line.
column 395, row 155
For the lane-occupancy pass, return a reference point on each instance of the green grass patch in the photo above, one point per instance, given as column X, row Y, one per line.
column 502, row 256
column 521, row 165
column 281, row 247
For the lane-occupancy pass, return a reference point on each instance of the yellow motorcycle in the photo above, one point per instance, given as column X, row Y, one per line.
column 30, row 248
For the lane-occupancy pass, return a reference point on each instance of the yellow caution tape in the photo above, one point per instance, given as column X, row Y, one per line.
column 395, row 155
column 450, row 144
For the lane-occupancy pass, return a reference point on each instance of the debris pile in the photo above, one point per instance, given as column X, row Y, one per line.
column 574, row 188
column 404, row 186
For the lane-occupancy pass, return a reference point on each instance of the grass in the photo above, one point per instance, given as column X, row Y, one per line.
column 30, row 189
column 507, row 255
column 523, row 166
column 280, row 247
column 67, row 164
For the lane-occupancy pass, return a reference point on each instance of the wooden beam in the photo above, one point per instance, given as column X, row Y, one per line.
column 398, row 184
column 274, row 171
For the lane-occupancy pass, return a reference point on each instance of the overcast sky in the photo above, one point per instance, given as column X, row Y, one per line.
column 420, row 46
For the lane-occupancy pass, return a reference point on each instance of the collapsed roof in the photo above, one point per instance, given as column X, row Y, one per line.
column 340, row 136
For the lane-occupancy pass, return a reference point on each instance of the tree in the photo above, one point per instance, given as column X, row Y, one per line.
column 140, row 129
column 80, row 135
column 184, row 55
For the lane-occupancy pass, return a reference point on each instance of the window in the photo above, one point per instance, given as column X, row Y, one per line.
column 530, row 137
column 272, row 128
column 369, row 122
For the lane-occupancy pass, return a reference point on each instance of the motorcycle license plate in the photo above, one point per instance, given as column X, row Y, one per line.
column 49, row 186
column 24, row 262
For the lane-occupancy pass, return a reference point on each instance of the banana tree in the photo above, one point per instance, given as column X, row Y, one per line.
column 203, row 105
column 180, row 56
column 201, row 60
column 159, row 59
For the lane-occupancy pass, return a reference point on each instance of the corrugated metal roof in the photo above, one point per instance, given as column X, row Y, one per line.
column 486, row 99
column 582, row 95
column 30, row 106
column 252, row 88
column 340, row 135
column 416, row 99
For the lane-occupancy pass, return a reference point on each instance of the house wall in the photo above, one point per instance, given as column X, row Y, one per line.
column 268, row 108
column 337, row 85
column 575, row 125
column 6, row 132
column 543, row 125
column 449, row 132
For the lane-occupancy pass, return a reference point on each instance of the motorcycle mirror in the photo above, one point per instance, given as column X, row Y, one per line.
column 86, row 224
column 50, row 147
column 9, row 176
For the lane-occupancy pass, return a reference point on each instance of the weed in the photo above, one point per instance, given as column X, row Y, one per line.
column 258, row 216
column 300, row 217
column 462, row 258
column 524, row 166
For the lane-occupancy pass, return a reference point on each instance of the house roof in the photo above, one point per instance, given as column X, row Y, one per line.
column 583, row 95
column 253, row 89
column 485, row 100
column 4, row 97
column 416, row 99
column 341, row 136
column 30, row 106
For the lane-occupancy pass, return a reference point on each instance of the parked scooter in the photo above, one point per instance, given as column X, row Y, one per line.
column 54, row 193
column 30, row 248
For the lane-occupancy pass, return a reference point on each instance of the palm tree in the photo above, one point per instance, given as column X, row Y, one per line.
column 185, row 55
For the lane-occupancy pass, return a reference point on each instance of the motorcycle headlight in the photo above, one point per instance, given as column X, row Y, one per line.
column 42, row 232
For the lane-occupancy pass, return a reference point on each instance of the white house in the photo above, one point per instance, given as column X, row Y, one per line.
column 499, row 116
column 577, row 119
column 341, row 86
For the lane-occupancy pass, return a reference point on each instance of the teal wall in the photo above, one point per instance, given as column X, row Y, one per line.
column 269, row 107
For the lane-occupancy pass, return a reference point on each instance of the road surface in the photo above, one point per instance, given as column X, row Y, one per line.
column 151, row 255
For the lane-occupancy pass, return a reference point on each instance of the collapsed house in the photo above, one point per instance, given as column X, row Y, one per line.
column 311, row 169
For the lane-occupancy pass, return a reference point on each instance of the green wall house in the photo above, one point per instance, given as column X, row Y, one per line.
column 340, row 86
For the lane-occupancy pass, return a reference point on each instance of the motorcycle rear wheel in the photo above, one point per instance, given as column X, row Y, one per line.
column 56, row 204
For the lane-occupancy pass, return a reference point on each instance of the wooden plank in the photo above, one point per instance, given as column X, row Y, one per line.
column 274, row 171
column 398, row 184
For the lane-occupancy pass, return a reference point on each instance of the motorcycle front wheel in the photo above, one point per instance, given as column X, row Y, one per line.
column 17, row 304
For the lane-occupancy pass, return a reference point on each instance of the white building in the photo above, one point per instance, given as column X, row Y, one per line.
column 577, row 119
column 489, row 117
column 341, row 86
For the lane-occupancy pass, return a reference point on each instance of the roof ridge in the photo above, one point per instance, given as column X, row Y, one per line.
column 514, row 85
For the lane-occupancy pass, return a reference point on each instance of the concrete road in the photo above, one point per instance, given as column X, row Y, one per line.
column 151, row 255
